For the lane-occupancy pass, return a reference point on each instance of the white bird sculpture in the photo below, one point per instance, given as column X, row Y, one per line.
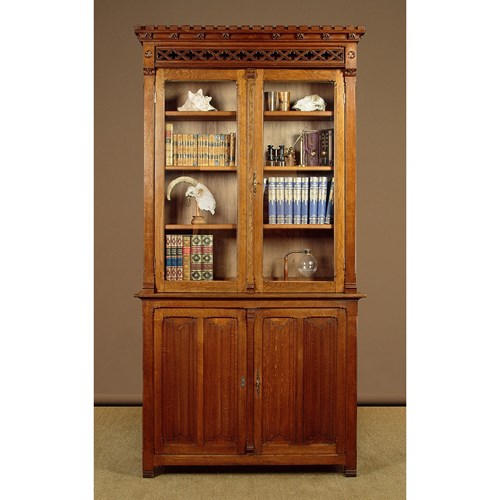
column 204, row 198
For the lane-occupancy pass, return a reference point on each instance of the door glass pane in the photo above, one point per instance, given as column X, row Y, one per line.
column 298, row 164
column 201, row 180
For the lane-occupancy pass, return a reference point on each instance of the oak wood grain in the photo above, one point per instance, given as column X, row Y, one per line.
column 249, row 369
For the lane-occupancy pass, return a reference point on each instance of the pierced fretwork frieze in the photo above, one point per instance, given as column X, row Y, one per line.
column 223, row 55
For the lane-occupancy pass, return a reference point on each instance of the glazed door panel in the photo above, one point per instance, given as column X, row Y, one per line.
column 300, row 198
column 300, row 381
column 199, row 362
column 206, row 148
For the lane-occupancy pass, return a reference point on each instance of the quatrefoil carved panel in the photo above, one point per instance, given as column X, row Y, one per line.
column 222, row 55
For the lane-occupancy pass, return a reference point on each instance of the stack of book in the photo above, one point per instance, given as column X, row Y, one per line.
column 196, row 150
column 299, row 200
column 316, row 148
column 189, row 257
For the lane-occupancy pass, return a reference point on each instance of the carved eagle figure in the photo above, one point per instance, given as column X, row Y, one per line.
column 203, row 196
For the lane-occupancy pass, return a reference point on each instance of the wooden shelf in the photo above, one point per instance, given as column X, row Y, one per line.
column 178, row 168
column 297, row 115
column 200, row 227
column 297, row 278
column 187, row 285
column 298, row 168
column 298, row 227
column 201, row 115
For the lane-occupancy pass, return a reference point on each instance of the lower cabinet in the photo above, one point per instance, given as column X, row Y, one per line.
column 242, row 386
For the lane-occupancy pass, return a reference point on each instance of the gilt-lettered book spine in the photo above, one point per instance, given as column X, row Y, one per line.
column 180, row 150
column 304, row 206
column 195, row 150
column 175, row 148
column 271, row 196
column 322, row 194
column 329, row 203
column 223, row 154
column 168, row 257
column 297, row 200
column 280, row 200
column 196, row 257
column 331, row 150
column 178, row 255
column 232, row 150
column 227, row 149
column 207, row 257
column 216, row 149
column 313, row 200
column 222, row 141
column 210, row 150
column 169, row 132
column 288, row 204
column 186, row 257
column 323, row 159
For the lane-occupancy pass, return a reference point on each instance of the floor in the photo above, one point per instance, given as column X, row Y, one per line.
column 381, row 466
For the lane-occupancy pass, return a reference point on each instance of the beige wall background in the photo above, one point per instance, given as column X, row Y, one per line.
column 119, row 179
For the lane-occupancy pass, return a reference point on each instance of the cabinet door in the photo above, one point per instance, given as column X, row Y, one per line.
column 299, row 168
column 300, row 381
column 199, row 381
column 200, row 181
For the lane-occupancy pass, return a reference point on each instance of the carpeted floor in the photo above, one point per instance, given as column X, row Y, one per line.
column 381, row 466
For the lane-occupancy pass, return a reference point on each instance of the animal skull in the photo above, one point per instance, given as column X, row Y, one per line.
column 203, row 196
column 310, row 103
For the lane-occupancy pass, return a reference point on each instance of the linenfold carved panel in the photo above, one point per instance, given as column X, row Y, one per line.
column 273, row 55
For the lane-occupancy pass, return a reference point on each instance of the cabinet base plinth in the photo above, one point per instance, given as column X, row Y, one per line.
column 247, row 460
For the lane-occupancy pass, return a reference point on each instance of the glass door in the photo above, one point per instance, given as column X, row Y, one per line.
column 299, row 210
column 199, row 176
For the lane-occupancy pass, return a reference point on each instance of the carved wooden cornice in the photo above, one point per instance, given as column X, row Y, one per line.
column 275, row 34
column 241, row 46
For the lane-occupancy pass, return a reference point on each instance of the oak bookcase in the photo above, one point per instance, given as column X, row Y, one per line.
column 248, row 368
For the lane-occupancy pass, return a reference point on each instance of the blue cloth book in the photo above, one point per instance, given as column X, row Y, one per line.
column 271, row 196
column 313, row 200
column 329, row 203
column 322, row 192
column 304, row 206
column 288, row 200
column 280, row 200
column 297, row 200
